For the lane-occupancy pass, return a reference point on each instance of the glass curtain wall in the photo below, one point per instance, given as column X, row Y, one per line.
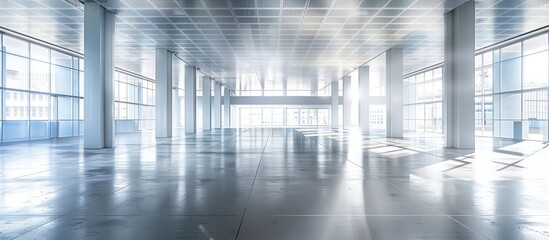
column 511, row 90
column 41, row 91
column 422, row 93
column 134, row 102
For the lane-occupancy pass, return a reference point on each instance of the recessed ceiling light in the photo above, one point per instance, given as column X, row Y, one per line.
column 480, row 20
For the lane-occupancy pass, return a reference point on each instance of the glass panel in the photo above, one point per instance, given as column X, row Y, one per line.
column 61, row 59
column 13, row 130
column 487, row 116
column 292, row 116
column 15, row 46
column 495, row 78
column 535, row 70
column 536, row 130
column 303, row 116
column 496, row 58
column 267, row 116
column 487, row 58
column 420, row 93
column 75, row 111
column 478, row 81
column 487, row 80
column 64, row 116
column 536, row 44
column 509, row 52
column 420, row 117
column 40, row 53
column 40, row 76
column 428, row 91
column 17, row 72
column 40, row 116
column 511, row 75
column 64, row 108
column 478, row 61
column 438, row 116
column 61, row 80
column 478, row 116
column 535, row 105
column 16, row 116
column 81, row 64
column 412, row 94
column 437, row 90
column 75, row 82
column 507, row 129
column 81, row 84
column 323, row 117
column 313, row 117
column 511, row 106
column 75, row 63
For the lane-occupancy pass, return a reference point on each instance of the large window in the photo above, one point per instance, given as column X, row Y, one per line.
column 281, row 116
column 40, row 92
column 423, row 101
column 134, row 102
column 511, row 88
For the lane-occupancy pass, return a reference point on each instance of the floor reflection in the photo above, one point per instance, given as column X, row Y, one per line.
column 274, row 184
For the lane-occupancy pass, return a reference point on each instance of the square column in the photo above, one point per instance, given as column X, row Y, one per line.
column 163, row 108
column 217, row 105
column 98, row 76
column 459, row 77
column 395, row 109
column 227, row 108
column 347, row 99
column 364, row 82
column 190, row 99
column 206, row 102
column 335, row 104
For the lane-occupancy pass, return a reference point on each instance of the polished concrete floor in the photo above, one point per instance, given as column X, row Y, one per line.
column 274, row 184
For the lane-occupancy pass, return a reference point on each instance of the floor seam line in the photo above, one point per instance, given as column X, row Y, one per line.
column 253, row 183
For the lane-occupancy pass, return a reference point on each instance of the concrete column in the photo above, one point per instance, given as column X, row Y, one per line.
column 459, row 77
column 227, row 108
column 217, row 105
column 190, row 99
column 395, row 110
column 335, row 104
column 163, row 105
column 364, row 83
column 206, row 102
column 98, row 76
column 347, row 99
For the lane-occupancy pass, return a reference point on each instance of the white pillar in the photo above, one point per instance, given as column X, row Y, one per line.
column 190, row 99
column 335, row 104
column 98, row 76
column 395, row 109
column 347, row 98
column 217, row 105
column 364, row 83
column 227, row 108
column 163, row 104
column 459, row 77
column 206, row 102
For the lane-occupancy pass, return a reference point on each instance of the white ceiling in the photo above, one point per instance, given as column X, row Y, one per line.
column 249, row 43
